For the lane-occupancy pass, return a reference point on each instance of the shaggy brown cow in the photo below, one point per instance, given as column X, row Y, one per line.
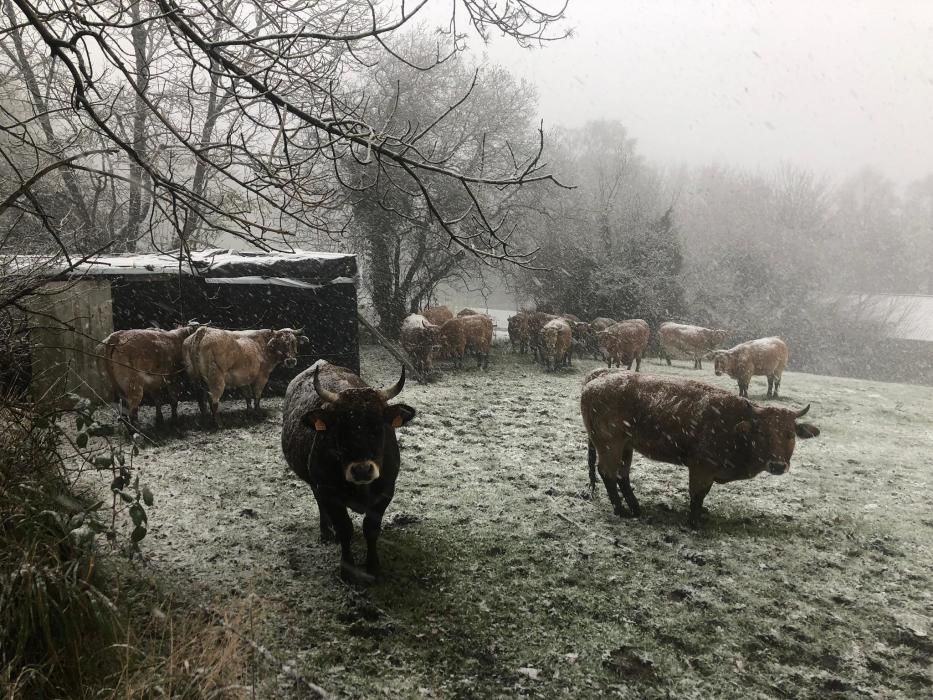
column 692, row 341
column 338, row 435
column 466, row 312
column 420, row 339
column 216, row 359
column 144, row 363
column 555, row 342
column 717, row 435
column 765, row 356
column 437, row 314
column 624, row 342
column 518, row 332
column 478, row 330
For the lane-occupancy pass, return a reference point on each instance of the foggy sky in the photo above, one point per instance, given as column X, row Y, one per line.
column 832, row 85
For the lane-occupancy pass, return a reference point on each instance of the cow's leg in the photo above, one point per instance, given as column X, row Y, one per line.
column 743, row 389
column 612, row 490
column 257, row 389
column 668, row 358
column 625, row 484
column 215, row 389
column 591, row 462
column 486, row 360
column 608, row 464
column 638, row 363
column 699, row 486
column 326, row 526
column 344, row 527
column 199, row 391
column 372, row 526
column 777, row 383
column 770, row 385
column 160, row 419
column 134, row 397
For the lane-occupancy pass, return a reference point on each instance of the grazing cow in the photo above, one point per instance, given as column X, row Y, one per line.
column 518, row 332
column 555, row 342
column 145, row 363
column 478, row 329
column 437, row 314
column 536, row 321
column 692, row 341
column 624, row 342
column 216, row 359
column 467, row 312
column 765, row 356
column 717, row 435
column 419, row 339
column 338, row 435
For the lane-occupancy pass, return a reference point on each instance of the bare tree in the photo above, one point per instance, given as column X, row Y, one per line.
column 240, row 118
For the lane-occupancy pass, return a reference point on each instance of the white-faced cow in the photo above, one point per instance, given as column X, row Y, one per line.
column 717, row 435
column 338, row 435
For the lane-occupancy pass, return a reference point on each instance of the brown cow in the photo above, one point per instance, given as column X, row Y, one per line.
column 536, row 321
column 555, row 342
column 717, row 435
column 452, row 340
column 518, row 332
column 693, row 341
column 216, row 359
column 145, row 363
column 466, row 312
column 437, row 314
column 478, row 329
column 598, row 324
column 420, row 339
column 765, row 356
column 624, row 342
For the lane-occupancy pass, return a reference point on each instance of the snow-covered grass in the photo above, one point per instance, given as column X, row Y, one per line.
column 502, row 578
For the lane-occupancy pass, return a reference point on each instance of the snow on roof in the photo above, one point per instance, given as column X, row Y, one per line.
column 213, row 263
column 908, row 316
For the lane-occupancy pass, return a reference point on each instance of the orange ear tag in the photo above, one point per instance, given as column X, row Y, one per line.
column 397, row 422
column 320, row 425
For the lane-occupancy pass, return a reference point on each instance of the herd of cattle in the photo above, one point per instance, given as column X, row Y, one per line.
column 338, row 433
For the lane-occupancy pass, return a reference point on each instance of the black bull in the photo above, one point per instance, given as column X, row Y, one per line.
column 338, row 435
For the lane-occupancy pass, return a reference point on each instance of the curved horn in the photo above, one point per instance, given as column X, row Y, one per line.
column 298, row 331
column 802, row 412
column 326, row 395
column 393, row 391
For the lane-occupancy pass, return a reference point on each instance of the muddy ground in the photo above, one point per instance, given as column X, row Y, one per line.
column 501, row 578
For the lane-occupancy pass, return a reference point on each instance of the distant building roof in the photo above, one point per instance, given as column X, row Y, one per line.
column 907, row 316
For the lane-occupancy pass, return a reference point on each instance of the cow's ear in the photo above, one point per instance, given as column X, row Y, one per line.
column 744, row 427
column 806, row 430
column 398, row 414
column 316, row 420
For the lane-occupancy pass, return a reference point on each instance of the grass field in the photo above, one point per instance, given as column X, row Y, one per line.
column 502, row 578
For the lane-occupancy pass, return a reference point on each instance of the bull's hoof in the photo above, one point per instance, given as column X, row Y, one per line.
column 351, row 573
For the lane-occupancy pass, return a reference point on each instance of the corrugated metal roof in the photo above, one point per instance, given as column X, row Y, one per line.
column 907, row 316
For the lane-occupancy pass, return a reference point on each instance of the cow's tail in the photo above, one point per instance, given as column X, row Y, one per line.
column 591, row 462
column 190, row 353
